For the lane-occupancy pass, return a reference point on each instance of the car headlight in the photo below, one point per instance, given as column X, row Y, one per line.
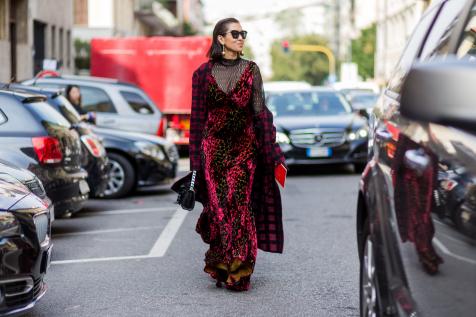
column 150, row 149
column 361, row 133
column 9, row 225
column 282, row 138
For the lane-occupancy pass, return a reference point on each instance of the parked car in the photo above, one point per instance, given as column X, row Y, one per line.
column 36, row 137
column 117, row 105
column 94, row 159
column 416, row 213
column 137, row 160
column 134, row 159
column 25, row 251
column 318, row 126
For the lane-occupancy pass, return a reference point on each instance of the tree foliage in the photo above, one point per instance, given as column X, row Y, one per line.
column 363, row 52
column 302, row 66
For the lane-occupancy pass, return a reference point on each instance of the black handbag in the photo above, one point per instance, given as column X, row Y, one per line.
column 185, row 188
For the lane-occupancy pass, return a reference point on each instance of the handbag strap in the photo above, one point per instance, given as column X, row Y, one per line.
column 192, row 183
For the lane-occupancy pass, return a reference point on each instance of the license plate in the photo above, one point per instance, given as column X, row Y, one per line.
column 83, row 187
column 319, row 152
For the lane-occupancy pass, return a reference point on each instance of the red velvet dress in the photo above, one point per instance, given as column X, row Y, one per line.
column 229, row 153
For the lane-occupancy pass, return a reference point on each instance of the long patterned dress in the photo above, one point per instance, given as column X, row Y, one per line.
column 229, row 152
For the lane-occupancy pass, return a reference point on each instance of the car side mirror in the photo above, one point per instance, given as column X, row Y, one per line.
column 441, row 92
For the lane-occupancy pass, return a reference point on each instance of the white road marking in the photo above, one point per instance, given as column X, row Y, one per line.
column 125, row 211
column 79, row 233
column 158, row 250
column 168, row 234
column 445, row 250
column 116, row 258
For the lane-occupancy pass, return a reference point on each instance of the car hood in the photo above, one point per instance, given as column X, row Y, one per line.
column 130, row 136
column 11, row 191
column 344, row 122
column 20, row 174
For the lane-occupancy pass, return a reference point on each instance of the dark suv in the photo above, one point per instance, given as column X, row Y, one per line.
column 416, row 215
column 36, row 137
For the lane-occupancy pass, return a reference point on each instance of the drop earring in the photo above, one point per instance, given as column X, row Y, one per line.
column 223, row 50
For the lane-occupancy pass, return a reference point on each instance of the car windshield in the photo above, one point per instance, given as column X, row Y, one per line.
column 307, row 103
column 47, row 114
column 364, row 101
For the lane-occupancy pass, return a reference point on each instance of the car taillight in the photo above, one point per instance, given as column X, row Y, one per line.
column 47, row 149
column 162, row 127
column 93, row 146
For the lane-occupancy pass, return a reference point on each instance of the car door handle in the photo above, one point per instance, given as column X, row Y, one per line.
column 417, row 160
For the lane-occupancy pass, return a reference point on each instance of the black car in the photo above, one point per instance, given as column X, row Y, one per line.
column 94, row 159
column 318, row 126
column 25, row 248
column 137, row 160
column 416, row 214
column 36, row 137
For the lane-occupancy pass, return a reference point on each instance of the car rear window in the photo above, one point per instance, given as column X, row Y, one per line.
column 307, row 103
column 67, row 109
column 47, row 114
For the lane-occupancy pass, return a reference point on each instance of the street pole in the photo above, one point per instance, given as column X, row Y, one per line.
column 318, row 49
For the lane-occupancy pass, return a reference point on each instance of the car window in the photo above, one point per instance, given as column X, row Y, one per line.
column 137, row 102
column 309, row 103
column 3, row 117
column 96, row 100
column 439, row 35
column 47, row 114
column 411, row 50
column 467, row 47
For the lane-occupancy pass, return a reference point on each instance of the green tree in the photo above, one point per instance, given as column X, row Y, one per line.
column 303, row 66
column 363, row 52
column 83, row 54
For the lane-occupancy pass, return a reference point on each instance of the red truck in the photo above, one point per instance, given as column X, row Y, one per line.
column 162, row 67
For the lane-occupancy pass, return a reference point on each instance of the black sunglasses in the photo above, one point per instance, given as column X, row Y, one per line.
column 235, row 34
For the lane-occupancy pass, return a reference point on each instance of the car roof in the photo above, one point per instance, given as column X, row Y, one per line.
column 309, row 89
column 77, row 78
column 49, row 92
column 24, row 97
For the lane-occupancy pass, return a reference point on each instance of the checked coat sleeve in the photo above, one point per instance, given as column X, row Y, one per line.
column 198, row 116
column 266, row 196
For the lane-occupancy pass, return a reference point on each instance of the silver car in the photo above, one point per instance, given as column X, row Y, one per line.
column 117, row 105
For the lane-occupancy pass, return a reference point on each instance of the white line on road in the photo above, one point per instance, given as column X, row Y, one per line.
column 445, row 250
column 125, row 211
column 79, row 233
column 168, row 234
column 158, row 250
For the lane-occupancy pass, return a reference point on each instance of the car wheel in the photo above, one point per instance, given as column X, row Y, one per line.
column 369, row 306
column 121, row 176
column 465, row 220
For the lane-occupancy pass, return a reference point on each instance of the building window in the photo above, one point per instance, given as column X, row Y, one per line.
column 53, row 41
column 3, row 19
column 61, row 45
column 68, row 49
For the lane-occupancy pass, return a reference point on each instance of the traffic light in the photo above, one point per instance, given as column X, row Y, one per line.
column 285, row 46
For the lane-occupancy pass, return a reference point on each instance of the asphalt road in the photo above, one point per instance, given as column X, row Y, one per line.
column 140, row 256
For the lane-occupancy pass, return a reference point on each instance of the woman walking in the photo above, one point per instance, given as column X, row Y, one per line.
column 233, row 150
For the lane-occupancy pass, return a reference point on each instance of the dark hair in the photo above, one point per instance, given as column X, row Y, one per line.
column 68, row 90
column 215, row 51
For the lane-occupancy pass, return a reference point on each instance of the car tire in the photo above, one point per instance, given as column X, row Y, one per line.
column 368, row 288
column 121, row 176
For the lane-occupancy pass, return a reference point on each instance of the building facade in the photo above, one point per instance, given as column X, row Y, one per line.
column 122, row 18
column 32, row 31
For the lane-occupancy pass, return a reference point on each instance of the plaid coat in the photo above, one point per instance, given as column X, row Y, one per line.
column 266, row 198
